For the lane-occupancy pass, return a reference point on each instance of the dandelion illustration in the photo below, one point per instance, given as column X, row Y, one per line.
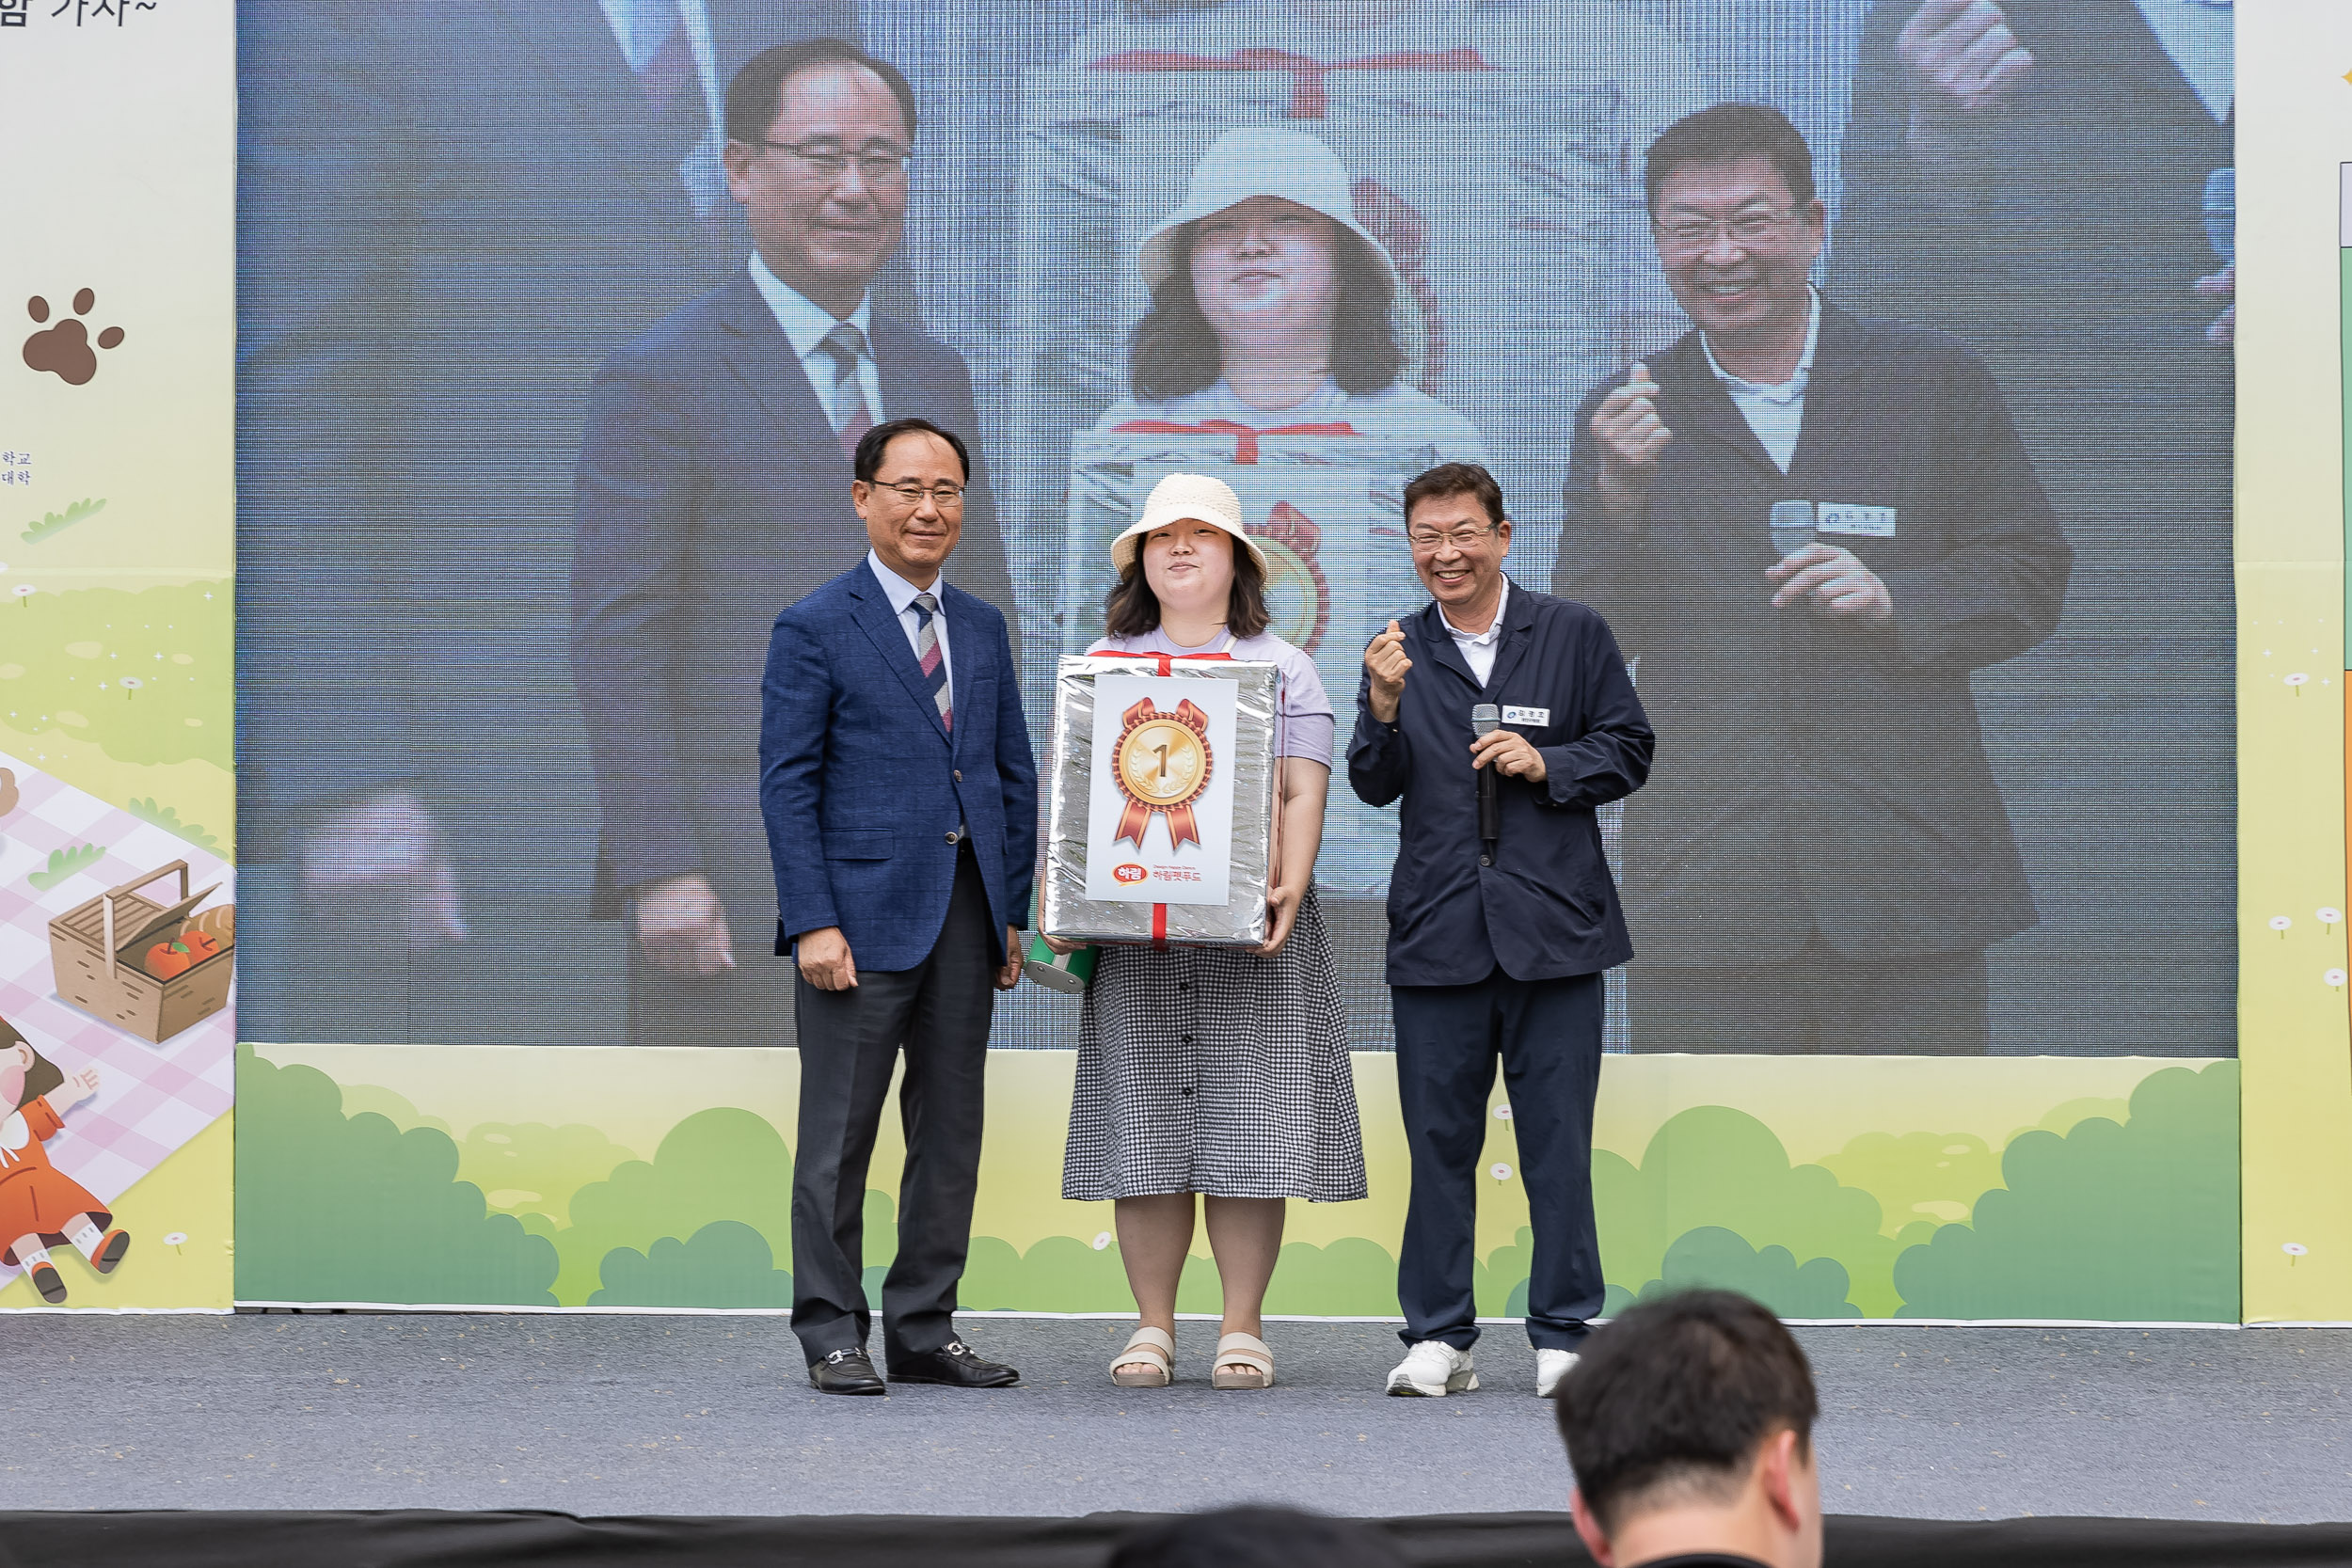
column 2294, row 1250
column 130, row 684
column 2334, row 978
column 1101, row 1241
column 1502, row 1113
column 176, row 1239
column 2327, row 915
column 2280, row 923
column 2298, row 679
column 1499, row 1171
column 24, row 592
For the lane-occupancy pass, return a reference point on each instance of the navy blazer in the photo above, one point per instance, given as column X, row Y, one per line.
column 1826, row 776
column 1547, row 908
column 711, row 491
column 864, row 788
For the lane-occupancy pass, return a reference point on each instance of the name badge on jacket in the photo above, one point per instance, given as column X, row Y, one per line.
column 1527, row 715
column 1870, row 522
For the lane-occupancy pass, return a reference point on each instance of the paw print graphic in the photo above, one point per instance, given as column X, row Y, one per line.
column 64, row 349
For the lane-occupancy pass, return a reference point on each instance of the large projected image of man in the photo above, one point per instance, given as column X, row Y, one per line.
column 2052, row 181
column 447, row 217
column 713, row 473
column 1810, row 530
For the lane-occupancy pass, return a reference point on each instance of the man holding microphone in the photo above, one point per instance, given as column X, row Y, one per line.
column 1502, row 719
column 1812, row 531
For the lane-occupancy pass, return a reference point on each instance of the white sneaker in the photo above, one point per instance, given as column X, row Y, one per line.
column 1432, row 1369
column 1550, row 1367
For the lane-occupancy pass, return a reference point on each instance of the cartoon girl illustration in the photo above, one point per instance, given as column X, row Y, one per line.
column 39, row 1205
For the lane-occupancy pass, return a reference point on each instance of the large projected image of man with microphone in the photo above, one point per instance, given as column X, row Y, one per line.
column 1810, row 530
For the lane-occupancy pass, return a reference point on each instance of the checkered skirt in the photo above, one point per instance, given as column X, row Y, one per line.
column 1204, row 1070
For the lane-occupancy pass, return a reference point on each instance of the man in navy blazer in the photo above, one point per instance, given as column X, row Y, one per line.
column 1496, row 945
column 1824, row 860
column 901, row 797
column 711, row 490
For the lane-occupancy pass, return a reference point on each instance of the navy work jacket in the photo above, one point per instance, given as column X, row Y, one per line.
column 1547, row 908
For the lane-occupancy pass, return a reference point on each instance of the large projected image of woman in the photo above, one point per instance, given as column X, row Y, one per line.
column 1271, row 305
column 1278, row 351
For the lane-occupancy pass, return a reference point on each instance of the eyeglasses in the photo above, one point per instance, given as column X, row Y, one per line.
column 1460, row 538
column 1756, row 225
column 877, row 161
column 946, row 497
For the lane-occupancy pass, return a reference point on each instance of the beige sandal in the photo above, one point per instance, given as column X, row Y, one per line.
column 1245, row 1350
column 1156, row 1349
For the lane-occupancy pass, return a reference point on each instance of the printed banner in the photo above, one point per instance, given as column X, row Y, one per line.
column 1160, row 820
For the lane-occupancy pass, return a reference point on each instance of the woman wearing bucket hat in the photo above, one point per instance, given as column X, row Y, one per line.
column 1262, row 1058
column 1272, row 305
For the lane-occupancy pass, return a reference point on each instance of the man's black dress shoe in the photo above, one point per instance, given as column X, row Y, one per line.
column 847, row 1371
column 956, row 1364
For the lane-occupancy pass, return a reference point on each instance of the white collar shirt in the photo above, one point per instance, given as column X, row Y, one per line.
column 901, row 595
column 1478, row 647
column 1775, row 413
column 2200, row 37
column 805, row 323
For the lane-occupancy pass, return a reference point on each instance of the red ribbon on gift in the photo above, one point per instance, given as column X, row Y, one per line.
column 1244, row 436
column 1310, row 97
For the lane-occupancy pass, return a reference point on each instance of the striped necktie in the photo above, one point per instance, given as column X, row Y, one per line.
column 846, row 345
column 935, row 663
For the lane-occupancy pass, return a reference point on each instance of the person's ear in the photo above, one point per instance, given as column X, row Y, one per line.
column 737, row 157
column 1589, row 1531
column 1779, row 1471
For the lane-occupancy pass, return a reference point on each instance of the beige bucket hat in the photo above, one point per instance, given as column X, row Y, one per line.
column 1185, row 497
column 1261, row 160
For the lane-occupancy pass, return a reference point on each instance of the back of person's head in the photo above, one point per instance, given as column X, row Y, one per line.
column 1699, row 1406
column 1256, row 1538
column 1725, row 131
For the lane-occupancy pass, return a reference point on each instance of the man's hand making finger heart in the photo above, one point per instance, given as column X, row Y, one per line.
column 1831, row 580
column 1386, row 662
column 1509, row 754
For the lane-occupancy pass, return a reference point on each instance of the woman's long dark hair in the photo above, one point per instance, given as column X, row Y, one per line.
column 1174, row 350
column 1131, row 608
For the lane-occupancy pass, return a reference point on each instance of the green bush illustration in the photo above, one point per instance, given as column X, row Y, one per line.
column 533, row 1165
column 1719, row 1258
column 67, row 653
column 723, row 1264
column 1061, row 1273
column 337, row 1208
column 57, row 522
column 718, row 1164
column 167, row 818
column 1936, row 1177
column 2136, row 1221
column 1712, row 1165
column 64, row 864
column 1350, row 1278
column 1499, row 1285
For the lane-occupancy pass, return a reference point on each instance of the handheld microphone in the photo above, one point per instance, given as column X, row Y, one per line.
column 1485, row 720
column 1791, row 527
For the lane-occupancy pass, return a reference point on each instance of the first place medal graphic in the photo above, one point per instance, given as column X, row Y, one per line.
column 1163, row 763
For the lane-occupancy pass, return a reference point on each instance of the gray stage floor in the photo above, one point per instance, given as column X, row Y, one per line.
column 616, row 1414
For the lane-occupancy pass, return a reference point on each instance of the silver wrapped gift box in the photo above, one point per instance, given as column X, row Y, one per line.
column 1241, row 919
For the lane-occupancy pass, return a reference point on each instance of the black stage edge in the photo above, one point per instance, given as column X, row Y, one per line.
column 452, row 1540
